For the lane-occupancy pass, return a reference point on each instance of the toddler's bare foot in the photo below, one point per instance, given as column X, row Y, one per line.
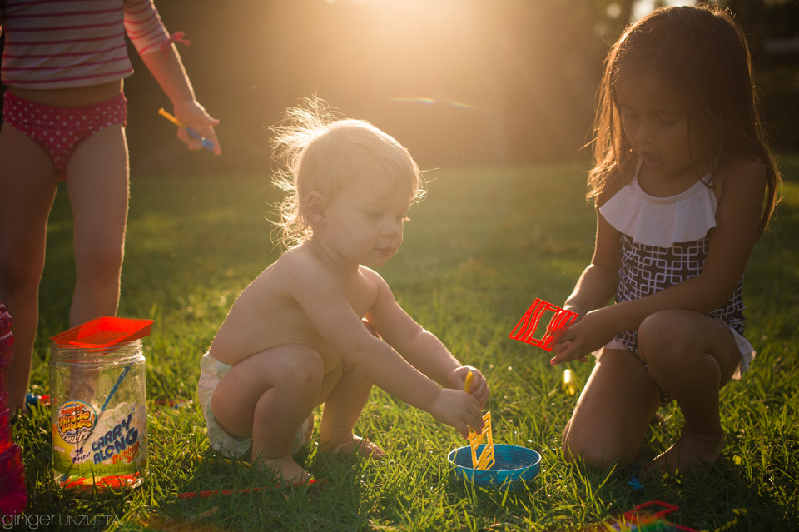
column 350, row 443
column 285, row 467
column 689, row 450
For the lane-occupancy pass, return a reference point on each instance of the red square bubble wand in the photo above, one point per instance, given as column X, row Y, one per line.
column 557, row 325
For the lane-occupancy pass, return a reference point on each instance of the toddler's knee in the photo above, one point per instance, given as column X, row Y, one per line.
column 305, row 370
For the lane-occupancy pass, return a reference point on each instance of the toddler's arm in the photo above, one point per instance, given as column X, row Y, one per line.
column 323, row 301
column 420, row 347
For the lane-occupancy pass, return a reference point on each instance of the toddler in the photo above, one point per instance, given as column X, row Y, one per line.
column 295, row 338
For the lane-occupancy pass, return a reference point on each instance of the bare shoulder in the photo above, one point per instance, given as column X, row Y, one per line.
column 294, row 271
column 741, row 176
column 374, row 280
column 301, row 262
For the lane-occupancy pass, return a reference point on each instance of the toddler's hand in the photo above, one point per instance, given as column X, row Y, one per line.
column 457, row 408
column 479, row 388
column 371, row 328
column 193, row 115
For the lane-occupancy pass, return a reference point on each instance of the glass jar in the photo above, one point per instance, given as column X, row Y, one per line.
column 99, row 415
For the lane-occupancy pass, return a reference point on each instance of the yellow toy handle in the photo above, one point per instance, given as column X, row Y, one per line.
column 468, row 382
column 205, row 143
column 171, row 118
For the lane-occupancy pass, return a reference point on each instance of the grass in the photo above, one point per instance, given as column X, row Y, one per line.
column 478, row 250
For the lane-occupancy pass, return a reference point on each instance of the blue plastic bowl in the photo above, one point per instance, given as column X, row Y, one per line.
column 513, row 466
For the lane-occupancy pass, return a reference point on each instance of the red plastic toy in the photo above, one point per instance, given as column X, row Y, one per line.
column 211, row 493
column 13, row 496
column 635, row 517
column 105, row 331
column 526, row 328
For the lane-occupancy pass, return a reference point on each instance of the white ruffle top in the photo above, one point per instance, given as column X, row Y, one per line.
column 661, row 222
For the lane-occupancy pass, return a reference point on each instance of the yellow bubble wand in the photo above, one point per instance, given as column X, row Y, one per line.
column 206, row 143
column 487, row 456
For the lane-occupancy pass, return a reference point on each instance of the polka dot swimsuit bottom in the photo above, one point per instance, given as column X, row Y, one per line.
column 60, row 130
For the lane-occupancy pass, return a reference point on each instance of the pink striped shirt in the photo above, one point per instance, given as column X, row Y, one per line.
column 52, row 44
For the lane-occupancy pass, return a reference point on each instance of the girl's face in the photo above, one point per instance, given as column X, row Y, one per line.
column 654, row 116
column 364, row 222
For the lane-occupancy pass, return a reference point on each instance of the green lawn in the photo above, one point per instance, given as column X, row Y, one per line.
column 478, row 250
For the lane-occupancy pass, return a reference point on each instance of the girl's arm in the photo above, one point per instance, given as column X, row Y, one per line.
column 598, row 282
column 731, row 243
column 595, row 287
column 419, row 347
column 168, row 71
column 147, row 33
column 319, row 294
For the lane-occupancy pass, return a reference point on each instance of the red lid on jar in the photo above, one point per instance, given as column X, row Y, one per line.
column 105, row 331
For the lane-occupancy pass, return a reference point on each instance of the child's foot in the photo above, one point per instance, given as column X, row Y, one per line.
column 285, row 467
column 690, row 449
column 350, row 443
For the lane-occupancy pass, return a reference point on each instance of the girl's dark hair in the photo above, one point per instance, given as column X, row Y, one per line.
column 703, row 52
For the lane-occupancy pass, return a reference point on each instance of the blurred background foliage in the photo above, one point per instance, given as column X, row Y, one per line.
column 459, row 82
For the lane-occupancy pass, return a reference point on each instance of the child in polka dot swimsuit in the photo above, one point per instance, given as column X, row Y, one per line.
column 680, row 180
column 64, row 118
column 60, row 130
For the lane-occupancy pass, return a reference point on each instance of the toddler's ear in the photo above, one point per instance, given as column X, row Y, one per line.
column 315, row 204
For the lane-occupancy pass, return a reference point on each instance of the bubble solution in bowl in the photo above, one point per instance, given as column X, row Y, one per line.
column 513, row 467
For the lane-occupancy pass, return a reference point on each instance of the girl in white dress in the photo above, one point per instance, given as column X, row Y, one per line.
column 681, row 174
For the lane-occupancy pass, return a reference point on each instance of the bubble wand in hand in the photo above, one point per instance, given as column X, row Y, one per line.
column 206, row 143
column 487, row 456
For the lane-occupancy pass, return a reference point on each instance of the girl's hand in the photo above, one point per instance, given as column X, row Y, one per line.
column 590, row 333
column 459, row 409
column 193, row 115
column 479, row 387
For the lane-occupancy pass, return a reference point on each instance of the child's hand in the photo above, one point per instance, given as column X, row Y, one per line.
column 479, row 388
column 457, row 408
column 371, row 328
column 589, row 334
column 193, row 115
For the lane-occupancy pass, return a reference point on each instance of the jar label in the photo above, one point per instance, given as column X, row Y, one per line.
column 75, row 421
column 116, row 443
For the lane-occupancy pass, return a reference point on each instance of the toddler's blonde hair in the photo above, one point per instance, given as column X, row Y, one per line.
column 317, row 151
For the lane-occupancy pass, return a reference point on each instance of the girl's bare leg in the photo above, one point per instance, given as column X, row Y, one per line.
column 98, row 191
column 97, row 183
column 691, row 356
column 343, row 407
column 267, row 397
column 613, row 411
column 28, row 184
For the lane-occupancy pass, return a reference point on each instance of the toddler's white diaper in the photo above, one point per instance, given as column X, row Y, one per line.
column 211, row 373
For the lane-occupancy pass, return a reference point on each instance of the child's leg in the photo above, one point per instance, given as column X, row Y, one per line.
column 98, row 191
column 613, row 411
column 28, row 184
column 267, row 397
column 342, row 408
column 691, row 356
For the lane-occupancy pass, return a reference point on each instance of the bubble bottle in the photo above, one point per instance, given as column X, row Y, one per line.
column 13, row 497
column 98, row 404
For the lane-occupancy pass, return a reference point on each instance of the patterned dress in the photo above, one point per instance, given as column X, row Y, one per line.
column 646, row 270
column 665, row 241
